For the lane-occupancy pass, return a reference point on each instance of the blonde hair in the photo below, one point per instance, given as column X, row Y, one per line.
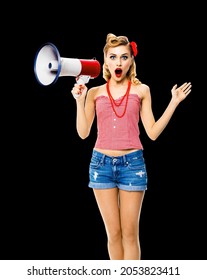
column 114, row 41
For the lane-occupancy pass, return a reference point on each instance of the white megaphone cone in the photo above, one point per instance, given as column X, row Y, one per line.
column 48, row 66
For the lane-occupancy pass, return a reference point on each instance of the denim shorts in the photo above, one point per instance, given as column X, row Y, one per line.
column 127, row 172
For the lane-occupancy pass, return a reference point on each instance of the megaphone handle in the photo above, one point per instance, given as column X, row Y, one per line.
column 82, row 79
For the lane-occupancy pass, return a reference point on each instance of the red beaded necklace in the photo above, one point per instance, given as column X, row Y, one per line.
column 118, row 102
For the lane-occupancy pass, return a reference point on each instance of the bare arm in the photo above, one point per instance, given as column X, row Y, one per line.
column 154, row 128
column 85, row 109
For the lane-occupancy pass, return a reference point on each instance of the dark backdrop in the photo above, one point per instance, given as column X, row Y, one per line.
column 47, row 210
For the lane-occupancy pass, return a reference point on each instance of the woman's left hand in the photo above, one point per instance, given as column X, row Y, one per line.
column 180, row 93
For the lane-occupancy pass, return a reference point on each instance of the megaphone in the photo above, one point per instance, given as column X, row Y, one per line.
column 49, row 66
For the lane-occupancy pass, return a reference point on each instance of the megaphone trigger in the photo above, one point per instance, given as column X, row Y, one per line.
column 82, row 79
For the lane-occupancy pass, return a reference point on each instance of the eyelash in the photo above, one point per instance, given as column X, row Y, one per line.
column 124, row 57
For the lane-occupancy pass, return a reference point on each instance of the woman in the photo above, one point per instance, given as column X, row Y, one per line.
column 117, row 170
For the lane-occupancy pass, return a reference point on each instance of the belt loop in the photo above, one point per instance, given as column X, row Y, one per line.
column 102, row 159
column 125, row 160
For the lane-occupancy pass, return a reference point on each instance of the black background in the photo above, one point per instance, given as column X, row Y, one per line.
column 47, row 210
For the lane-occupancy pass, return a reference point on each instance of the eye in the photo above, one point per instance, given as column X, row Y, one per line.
column 125, row 57
column 112, row 57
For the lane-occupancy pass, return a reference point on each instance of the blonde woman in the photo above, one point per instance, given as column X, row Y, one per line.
column 117, row 171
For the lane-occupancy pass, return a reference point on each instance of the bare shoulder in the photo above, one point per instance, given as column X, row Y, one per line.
column 96, row 91
column 142, row 90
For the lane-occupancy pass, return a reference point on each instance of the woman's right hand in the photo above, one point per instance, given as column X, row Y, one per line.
column 79, row 91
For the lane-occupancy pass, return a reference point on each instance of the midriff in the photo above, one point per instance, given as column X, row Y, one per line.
column 115, row 153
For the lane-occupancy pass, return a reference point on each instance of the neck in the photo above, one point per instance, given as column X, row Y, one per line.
column 114, row 83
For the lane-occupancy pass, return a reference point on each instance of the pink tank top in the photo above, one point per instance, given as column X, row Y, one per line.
column 116, row 133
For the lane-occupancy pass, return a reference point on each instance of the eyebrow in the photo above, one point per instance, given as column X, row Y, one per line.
column 116, row 54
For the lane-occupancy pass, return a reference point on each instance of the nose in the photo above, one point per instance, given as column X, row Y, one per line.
column 118, row 62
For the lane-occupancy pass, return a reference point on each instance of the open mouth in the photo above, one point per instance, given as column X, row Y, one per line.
column 118, row 72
